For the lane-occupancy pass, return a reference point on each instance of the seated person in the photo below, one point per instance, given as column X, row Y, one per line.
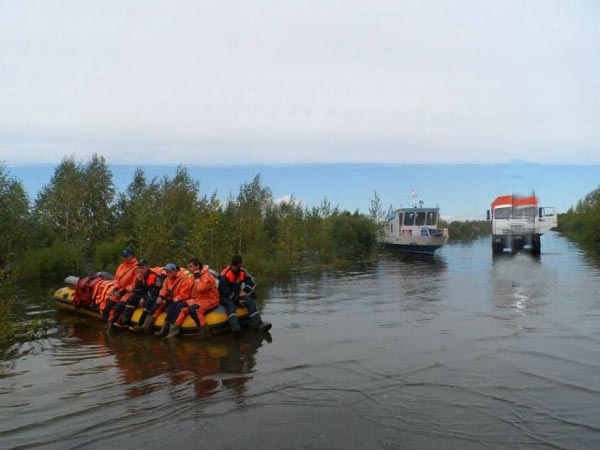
column 204, row 296
column 154, row 280
column 175, row 290
column 237, row 284
column 144, row 291
column 125, row 279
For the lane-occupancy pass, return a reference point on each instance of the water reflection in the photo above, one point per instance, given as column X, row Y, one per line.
column 507, row 256
column 146, row 364
column 436, row 262
column 416, row 278
column 519, row 281
column 456, row 351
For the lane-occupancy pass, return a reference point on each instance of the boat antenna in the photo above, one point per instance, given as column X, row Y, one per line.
column 414, row 196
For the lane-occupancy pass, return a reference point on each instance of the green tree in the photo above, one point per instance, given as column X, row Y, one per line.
column 14, row 216
column 77, row 204
column 377, row 214
column 59, row 205
column 252, row 203
column 352, row 234
column 99, row 193
column 582, row 223
column 159, row 218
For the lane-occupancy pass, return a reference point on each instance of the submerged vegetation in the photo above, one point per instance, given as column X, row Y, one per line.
column 13, row 327
column 78, row 223
column 581, row 223
column 7, row 324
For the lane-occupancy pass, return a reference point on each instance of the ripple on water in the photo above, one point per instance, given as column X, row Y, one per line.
column 461, row 350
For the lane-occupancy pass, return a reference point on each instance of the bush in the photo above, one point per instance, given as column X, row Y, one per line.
column 352, row 235
column 468, row 230
column 107, row 255
column 54, row 262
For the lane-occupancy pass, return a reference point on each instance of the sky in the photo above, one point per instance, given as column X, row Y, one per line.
column 462, row 191
column 252, row 83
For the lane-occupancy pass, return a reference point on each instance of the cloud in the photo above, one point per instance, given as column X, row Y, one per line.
column 287, row 82
column 290, row 199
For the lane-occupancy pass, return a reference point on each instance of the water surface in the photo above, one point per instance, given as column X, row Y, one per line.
column 458, row 351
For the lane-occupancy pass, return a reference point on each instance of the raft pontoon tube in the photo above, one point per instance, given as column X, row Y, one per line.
column 216, row 319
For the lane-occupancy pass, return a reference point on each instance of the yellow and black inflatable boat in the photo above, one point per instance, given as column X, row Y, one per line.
column 216, row 320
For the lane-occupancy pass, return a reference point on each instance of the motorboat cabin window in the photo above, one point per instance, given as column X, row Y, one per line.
column 400, row 218
column 503, row 213
column 548, row 211
column 431, row 218
column 391, row 227
column 409, row 218
column 420, row 219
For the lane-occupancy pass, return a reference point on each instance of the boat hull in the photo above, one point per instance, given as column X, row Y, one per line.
column 216, row 319
column 412, row 248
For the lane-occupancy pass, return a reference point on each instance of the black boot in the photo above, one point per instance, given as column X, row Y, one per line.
column 107, row 308
column 234, row 323
column 257, row 323
column 264, row 327
column 194, row 316
column 126, row 316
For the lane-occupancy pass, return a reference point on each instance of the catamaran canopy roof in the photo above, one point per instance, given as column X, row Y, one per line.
column 514, row 201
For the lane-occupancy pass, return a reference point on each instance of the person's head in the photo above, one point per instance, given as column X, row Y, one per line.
column 194, row 265
column 142, row 265
column 171, row 270
column 127, row 254
column 236, row 263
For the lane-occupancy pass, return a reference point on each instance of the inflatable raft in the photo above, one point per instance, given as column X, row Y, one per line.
column 216, row 320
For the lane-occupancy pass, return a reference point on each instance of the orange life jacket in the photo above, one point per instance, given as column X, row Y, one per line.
column 232, row 277
column 177, row 288
column 104, row 291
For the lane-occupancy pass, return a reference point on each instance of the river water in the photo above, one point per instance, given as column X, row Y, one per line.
column 458, row 351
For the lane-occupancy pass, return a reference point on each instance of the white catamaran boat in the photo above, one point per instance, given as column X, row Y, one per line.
column 414, row 230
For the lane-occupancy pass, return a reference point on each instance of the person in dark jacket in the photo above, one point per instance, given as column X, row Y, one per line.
column 152, row 281
column 144, row 291
column 236, row 286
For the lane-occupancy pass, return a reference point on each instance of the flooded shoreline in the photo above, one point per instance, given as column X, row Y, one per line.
column 457, row 351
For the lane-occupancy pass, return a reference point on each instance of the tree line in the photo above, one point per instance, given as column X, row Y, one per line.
column 467, row 230
column 78, row 223
column 582, row 221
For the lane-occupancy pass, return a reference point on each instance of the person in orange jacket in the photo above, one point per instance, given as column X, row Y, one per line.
column 146, row 289
column 125, row 277
column 204, row 296
column 175, row 291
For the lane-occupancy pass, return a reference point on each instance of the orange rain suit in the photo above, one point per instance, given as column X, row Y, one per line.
column 174, row 289
column 204, row 297
column 125, row 276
